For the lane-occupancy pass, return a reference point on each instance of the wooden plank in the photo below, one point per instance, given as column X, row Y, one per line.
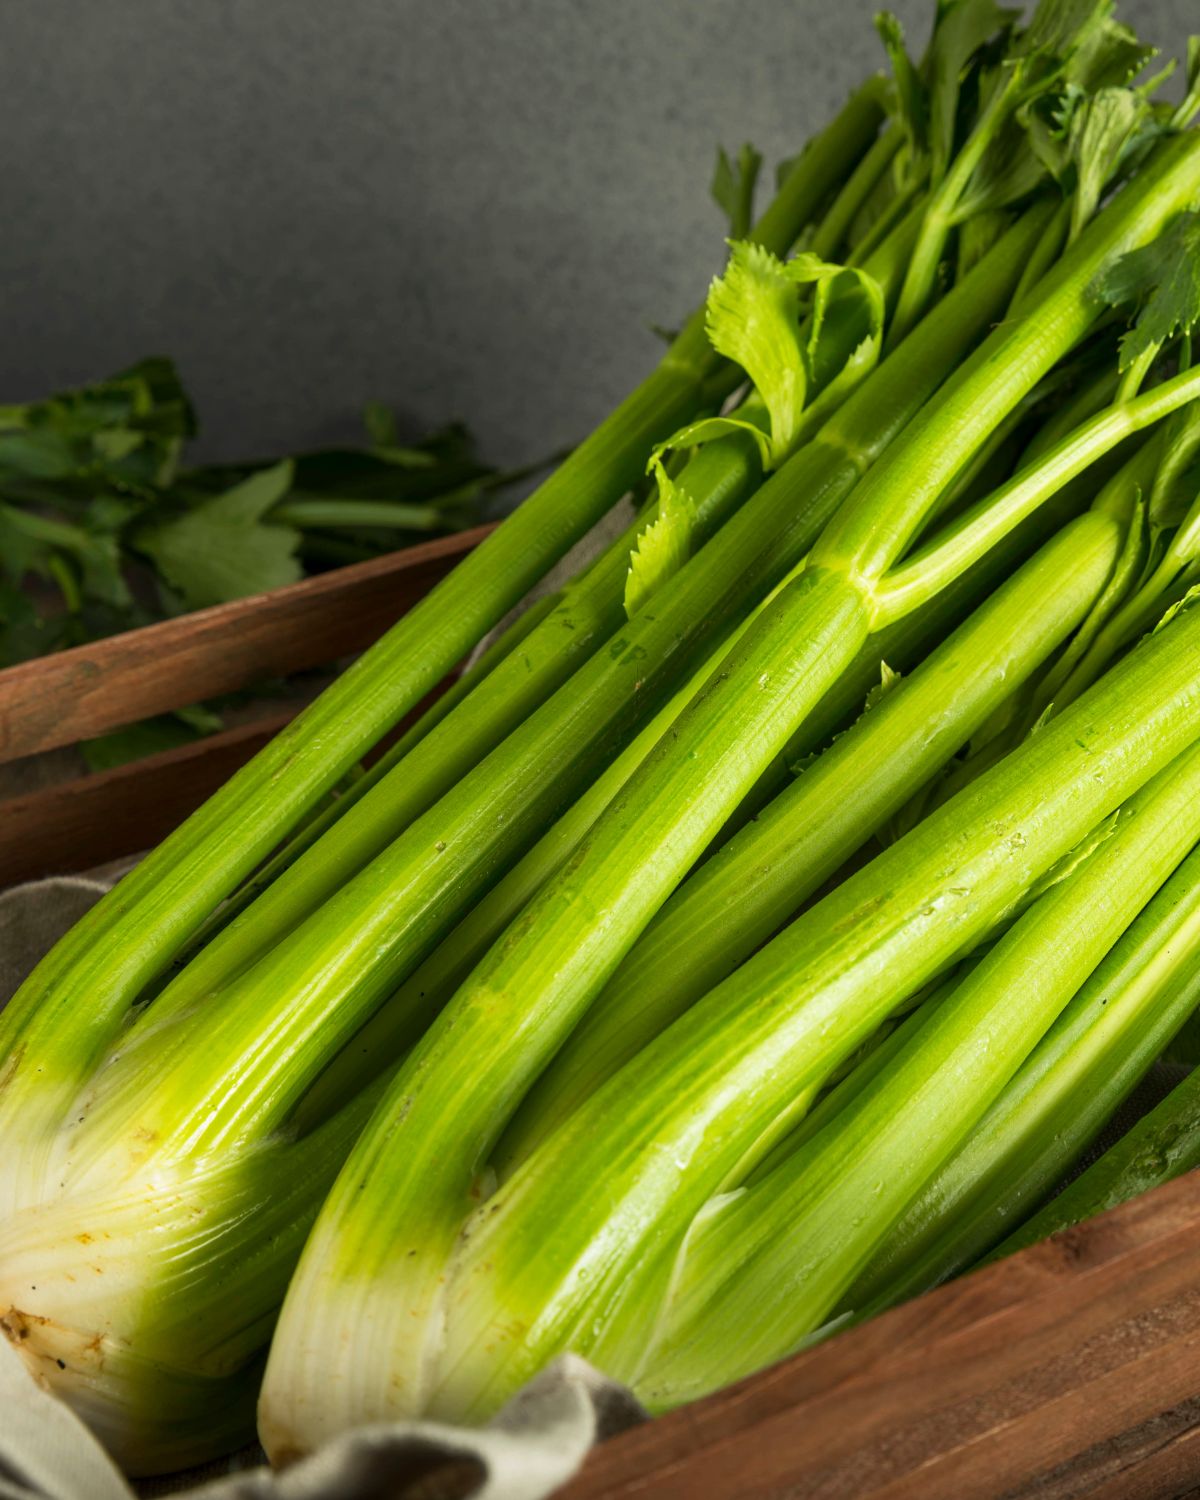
column 76, row 695
column 1161, row 1458
column 1071, row 1369
column 86, row 822
column 75, row 825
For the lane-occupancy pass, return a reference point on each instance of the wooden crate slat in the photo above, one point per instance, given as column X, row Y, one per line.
column 1160, row 1459
column 1048, row 1374
column 78, row 694
column 76, row 825
column 79, row 824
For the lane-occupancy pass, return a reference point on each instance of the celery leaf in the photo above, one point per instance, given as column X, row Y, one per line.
column 888, row 681
column 912, row 97
column 844, row 342
column 1163, row 280
column 1103, row 130
column 963, row 28
column 664, row 545
column 753, row 318
column 750, row 420
column 1109, row 55
column 733, row 185
column 1059, row 28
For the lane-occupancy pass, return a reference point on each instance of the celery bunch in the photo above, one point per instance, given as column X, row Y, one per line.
column 718, row 961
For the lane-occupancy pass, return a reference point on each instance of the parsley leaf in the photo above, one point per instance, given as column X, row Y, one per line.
column 225, row 547
column 1163, row 280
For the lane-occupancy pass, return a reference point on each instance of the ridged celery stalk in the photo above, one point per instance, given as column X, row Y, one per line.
column 550, row 1263
column 405, row 1015
column 742, row 895
column 1087, row 1063
column 131, row 935
column 765, row 1268
column 1162, row 1145
column 412, row 1173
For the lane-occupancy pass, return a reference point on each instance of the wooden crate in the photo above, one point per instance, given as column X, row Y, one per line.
column 93, row 689
column 1072, row 1369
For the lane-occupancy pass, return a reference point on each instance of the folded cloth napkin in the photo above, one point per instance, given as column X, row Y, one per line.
column 530, row 1449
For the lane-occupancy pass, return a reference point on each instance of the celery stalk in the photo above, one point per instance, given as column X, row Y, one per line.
column 132, row 934
column 1162, row 1145
column 767, row 1267
column 413, row 1171
column 1091, row 1058
column 745, row 893
column 548, row 1263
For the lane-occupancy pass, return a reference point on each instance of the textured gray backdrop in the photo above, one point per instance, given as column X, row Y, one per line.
column 466, row 207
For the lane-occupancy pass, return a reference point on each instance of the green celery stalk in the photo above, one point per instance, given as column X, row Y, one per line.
column 130, row 936
column 1097, row 1050
column 742, row 895
column 548, row 1263
column 829, row 240
column 374, row 930
column 1016, row 719
column 716, row 479
column 398, row 1023
column 409, row 780
column 1162, row 1145
column 311, row 830
column 1069, row 501
column 1048, row 250
column 855, row 1075
column 969, row 536
column 1169, row 583
column 766, row 1268
column 492, row 1041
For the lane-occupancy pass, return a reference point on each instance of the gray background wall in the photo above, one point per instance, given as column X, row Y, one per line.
column 465, row 207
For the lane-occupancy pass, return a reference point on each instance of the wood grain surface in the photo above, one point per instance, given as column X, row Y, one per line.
column 86, row 822
column 76, row 825
column 76, row 695
column 1072, row 1369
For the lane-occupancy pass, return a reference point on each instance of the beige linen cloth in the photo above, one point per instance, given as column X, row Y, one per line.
column 531, row 1448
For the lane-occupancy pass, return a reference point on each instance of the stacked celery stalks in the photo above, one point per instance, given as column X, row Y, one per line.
column 558, row 1092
